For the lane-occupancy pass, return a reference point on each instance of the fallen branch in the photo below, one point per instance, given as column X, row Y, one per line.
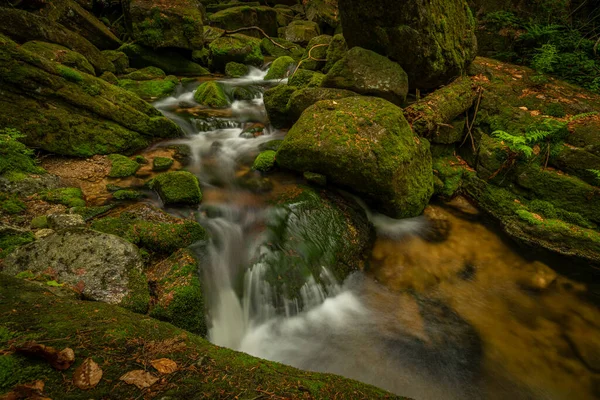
column 309, row 57
column 470, row 126
column 256, row 28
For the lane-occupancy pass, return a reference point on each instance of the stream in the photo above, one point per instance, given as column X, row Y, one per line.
column 462, row 316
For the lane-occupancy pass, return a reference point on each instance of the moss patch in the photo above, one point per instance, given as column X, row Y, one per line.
column 211, row 94
column 122, row 166
column 265, row 161
column 70, row 197
column 177, row 187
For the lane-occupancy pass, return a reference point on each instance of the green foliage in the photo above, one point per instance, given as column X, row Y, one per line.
column 14, row 155
column 10, row 242
column 265, row 161
column 596, row 174
column 10, row 204
column 545, row 58
column 122, row 166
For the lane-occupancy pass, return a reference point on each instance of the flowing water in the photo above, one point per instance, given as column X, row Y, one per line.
column 448, row 309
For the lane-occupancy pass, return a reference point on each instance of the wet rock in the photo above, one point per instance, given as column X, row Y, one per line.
column 304, row 98
column 368, row 73
column 584, row 343
column 255, row 183
column 30, row 184
column 305, row 78
column 443, row 31
column 119, row 60
column 317, row 47
column 335, row 52
column 280, row 68
column 160, row 25
column 438, row 225
column 317, row 179
column 177, row 187
column 265, row 161
column 65, row 221
column 102, row 267
column 211, row 94
column 538, row 276
column 365, row 145
column 276, row 103
column 236, row 70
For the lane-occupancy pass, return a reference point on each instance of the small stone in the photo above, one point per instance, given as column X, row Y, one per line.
column 42, row 233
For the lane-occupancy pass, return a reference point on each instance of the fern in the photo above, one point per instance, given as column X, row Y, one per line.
column 596, row 174
column 536, row 136
column 516, row 144
column 582, row 116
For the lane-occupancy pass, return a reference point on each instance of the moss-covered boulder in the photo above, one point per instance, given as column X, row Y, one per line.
column 33, row 312
column 236, row 70
column 145, row 74
column 101, row 267
column 317, row 47
column 245, row 16
column 121, row 166
column 284, row 48
column 178, row 292
column 60, row 54
column 434, row 42
column 169, row 61
column 305, row 78
column 265, row 161
column 237, row 48
column 74, row 17
column 309, row 229
column 88, row 115
column 276, row 103
column 324, row 13
column 22, row 26
column 280, row 68
column 151, row 229
column 304, row 98
column 365, row 145
column 176, row 24
column 211, row 94
column 366, row 72
column 68, row 196
column 335, row 52
column 162, row 163
column 119, row 60
column 150, row 90
column 177, row 187
column 301, row 32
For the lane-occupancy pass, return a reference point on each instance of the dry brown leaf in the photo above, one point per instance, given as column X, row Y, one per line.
column 164, row 365
column 60, row 360
column 139, row 378
column 87, row 375
column 31, row 391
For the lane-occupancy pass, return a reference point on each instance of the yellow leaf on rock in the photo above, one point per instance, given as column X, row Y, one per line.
column 139, row 378
column 164, row 365
column 87, row 375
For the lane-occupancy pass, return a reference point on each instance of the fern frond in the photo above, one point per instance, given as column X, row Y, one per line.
column 536, row 136
column 582, row 116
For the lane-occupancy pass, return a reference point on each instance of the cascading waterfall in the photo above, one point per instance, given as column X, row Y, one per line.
column 350, row 328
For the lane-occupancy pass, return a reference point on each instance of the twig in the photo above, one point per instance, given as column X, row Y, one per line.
column 470, row 127
column 309, row 57
column 547, row 156
column 249, row 28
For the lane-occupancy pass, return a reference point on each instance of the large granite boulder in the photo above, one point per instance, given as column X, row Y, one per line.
column 101, row 267
column 433, row 41
column 363, row 144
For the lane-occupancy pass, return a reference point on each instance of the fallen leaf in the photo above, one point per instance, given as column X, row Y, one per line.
column 87, row 375
column 60, row 360
column 31, row 391
column 139, row 378
column 164, row 365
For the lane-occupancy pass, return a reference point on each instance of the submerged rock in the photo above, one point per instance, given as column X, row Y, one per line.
column 102, row 267
column 366, row 72
column 433, row 41
column 310, row 229
column 365, row 145
column 176, row 24
column 63, row 111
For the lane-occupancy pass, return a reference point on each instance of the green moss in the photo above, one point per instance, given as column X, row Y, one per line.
column 290, row 49
column 304, row 78
column 8, row 243
column 10, row 204
column 127, row 195
column 16, row 370
column 529, row 217
column 40, row 222
column 236, row 70
column 265, row 161
column 280, row 68
column 60, row 54
column 270, row 145
column 235, row 48
column 169, row 61
column 122, row 166
column 25, row 275
column 91, row 212
column 177, row 187
column 15, row 157
column 150, row 89
column 162, row 163
column 276, row 102
column 146, row 74
column 317, row 179
column 318, row 53
column 70, row 74
column 336, row 51
column 70, row 197
column 138, row 298
column 211, row 94
column 450, row 172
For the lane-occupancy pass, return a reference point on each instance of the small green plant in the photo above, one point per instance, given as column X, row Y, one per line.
column 14, row 155
column 596, row 174
column 545, row 59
